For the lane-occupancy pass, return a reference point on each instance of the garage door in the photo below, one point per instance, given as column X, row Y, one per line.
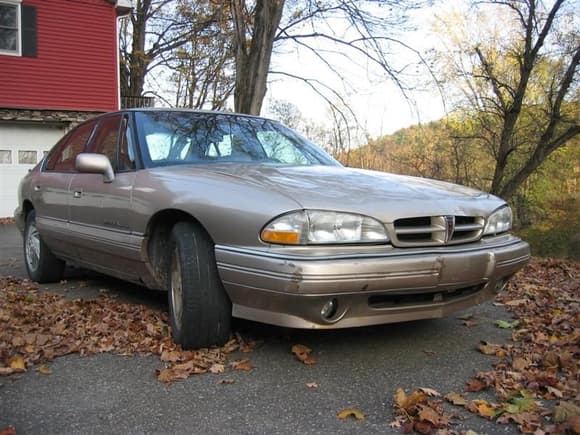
column 21, row 148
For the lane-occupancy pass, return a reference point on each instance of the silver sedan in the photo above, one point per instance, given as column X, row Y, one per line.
column 239, row 216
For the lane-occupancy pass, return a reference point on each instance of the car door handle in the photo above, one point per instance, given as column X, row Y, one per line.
column 77, row 193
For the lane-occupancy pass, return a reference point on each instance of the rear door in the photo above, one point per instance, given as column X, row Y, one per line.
column 51, row 194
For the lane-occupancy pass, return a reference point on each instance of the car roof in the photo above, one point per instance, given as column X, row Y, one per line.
column 194, row 111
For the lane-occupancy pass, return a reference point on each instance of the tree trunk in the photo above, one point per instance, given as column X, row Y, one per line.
column 253, row 55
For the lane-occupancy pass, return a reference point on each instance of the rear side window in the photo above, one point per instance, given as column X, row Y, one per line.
column 62, row 159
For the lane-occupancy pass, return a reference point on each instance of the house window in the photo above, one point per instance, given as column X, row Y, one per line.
column 27, row 157
column 5, row 157
column 9, row 28
column 17, row 29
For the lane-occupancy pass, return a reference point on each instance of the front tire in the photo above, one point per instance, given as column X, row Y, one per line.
column 199, row 308
column 41, row 264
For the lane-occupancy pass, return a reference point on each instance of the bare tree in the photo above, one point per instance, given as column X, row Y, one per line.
column 366, row 33
column 254, row 40
column 520, row 84
column 148, row 32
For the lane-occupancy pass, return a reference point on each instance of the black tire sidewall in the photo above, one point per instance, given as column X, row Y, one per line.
column 206, row 312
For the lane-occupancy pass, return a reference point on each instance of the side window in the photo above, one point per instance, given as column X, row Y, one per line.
column 62, row 159
column 126, row 150
column 106, row 138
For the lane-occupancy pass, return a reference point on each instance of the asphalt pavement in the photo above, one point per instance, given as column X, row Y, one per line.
column 357, row 368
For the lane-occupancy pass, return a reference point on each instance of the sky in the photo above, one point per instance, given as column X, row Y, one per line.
column 379, row 104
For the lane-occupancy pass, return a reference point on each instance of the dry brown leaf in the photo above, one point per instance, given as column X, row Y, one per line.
column 8, row 430
column 310, row 361
column 491, row 349
column 170, row 356
column 426, row 413
column 242, row 365
column 406, row 402
column 18, row 364
column 217, row 368
column 430, row 392
column 520, row 364
column 456, row 399
column 481, row 407
column 225, row 381
column 300, row 351
column 312, row 385
column 423, row 427
column 350, row 413
column 44, row 370
column 475, row 385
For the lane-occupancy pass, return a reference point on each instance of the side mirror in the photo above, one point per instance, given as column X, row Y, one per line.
column 91, row 163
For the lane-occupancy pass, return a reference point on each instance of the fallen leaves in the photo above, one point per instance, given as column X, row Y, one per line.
column 419, row 412
column 506, row 325
column 302, row 353
column 242, row 365
column 540, row 364
column 350, row 413
column 36, row 327
column 491, row 349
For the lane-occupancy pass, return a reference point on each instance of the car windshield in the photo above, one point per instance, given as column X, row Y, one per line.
column 173, row 137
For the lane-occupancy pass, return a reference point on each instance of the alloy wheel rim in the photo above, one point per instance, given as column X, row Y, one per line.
column 32, row 248
column 176, row 291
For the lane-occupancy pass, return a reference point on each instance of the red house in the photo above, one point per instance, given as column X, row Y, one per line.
column 58, row 66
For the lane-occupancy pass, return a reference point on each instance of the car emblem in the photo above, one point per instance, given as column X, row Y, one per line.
column 449, row 227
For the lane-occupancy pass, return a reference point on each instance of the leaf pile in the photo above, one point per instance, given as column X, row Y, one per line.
column 7, row 220
column 36, row 327
column 420, row 411
column 536, row 377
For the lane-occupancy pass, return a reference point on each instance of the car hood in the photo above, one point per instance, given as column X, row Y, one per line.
column 382, row 195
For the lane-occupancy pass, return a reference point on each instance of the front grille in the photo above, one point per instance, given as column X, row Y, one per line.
column 436, row 230
column 420, row 298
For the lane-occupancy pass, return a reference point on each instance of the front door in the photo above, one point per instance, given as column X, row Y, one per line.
column 101, row 213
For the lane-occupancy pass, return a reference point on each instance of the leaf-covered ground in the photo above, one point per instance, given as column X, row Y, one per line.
column 534, row 381
column 535, row 378
column 36, row 327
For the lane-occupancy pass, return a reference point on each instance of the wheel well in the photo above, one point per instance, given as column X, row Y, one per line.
column 27, row 207
column 158, row 231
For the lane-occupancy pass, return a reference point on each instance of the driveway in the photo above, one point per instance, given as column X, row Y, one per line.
column 357, row 368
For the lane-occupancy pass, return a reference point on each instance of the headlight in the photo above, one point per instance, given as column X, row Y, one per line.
column 500, row 221
column 323, row 227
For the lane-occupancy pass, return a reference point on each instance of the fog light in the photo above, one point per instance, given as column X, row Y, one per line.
column 329, row 309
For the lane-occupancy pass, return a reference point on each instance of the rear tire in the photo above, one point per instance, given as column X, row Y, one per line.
column 200, row 310
column 41, row 264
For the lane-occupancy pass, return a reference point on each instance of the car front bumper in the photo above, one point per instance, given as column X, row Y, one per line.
column 289, row 287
